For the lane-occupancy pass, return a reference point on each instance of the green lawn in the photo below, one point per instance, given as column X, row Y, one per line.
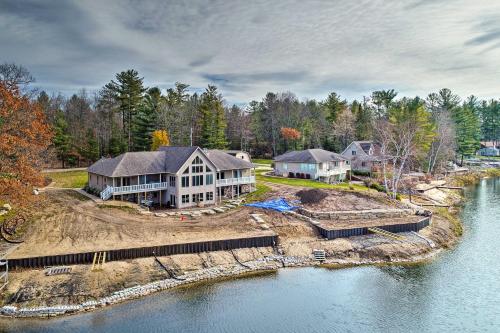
column 259, row 194
column 308, row 183
column 68, row 179
column 262, row 161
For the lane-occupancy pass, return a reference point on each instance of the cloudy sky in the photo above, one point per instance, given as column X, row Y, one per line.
column 248, row 48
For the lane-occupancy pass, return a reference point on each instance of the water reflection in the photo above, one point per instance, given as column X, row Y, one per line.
column 459, row 291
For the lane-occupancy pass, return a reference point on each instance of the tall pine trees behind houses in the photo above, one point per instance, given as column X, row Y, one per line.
column 124, row 115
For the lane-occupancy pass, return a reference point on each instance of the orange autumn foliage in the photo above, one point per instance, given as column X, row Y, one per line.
column 24, row 138
column 289, row 133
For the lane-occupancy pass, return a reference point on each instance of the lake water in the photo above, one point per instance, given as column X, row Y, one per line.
column 458, row 291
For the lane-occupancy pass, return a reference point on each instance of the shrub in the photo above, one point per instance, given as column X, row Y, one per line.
column 361, row 173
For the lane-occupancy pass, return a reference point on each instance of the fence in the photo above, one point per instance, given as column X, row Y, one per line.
column 405, row 227
column 143, row 252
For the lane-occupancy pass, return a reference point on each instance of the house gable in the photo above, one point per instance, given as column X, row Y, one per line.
column 354, row 146
column 198, row 153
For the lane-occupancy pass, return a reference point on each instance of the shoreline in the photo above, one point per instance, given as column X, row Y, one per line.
column 214, row 274
column 439, row 236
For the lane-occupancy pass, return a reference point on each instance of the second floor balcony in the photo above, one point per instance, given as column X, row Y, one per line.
column 235, row 181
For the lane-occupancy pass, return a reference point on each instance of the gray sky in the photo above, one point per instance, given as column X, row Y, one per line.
column 248, row 48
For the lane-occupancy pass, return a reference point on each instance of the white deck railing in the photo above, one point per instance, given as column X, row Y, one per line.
column 235, row 181
column 110, row 190
column 332, row 172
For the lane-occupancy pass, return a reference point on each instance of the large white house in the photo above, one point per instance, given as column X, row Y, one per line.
column 172, row 176
column 317, row 164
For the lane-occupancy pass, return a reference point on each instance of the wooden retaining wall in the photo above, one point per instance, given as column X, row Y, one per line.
column 406, row 227
column 142, row 252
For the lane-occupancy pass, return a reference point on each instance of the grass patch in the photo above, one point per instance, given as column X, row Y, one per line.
column 126, row 209
column 467, row 179
column 259, row 194
column 458, row 229
column 309, row 183
column 69, row 179
column 262, row 161
column 488, row 157
column 493, row 172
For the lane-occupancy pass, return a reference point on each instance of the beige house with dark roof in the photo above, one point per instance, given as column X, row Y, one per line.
column 364, row 155
column 172, row 176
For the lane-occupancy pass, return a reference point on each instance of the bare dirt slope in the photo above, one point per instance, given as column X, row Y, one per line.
column 70, row 223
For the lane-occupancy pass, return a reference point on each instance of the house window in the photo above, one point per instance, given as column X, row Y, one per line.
column 210, row 196
column 303, row 167
column 363, row 164
column 172, row 200
column 185, row 198
column 197, row 197
column 207, row 169
column 347, row 162
column 197, row 180
column 312, row 167
column 197, row 160
column 186, row 171
column 172, row 181
column 285, row 166
column 197, row 169
column 209, row 179
column 185, row 181
column 353, row 152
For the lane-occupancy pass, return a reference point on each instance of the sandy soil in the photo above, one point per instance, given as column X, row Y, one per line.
column 337, row 200
column 70, row 223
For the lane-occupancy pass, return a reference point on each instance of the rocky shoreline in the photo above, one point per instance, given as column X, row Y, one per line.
column 340, row 253
column 262, row 265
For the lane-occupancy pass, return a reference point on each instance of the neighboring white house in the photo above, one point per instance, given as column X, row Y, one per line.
column 489, row 148
column 317, row 164
column 364, row 155
column 239, row 154
column 172, row 176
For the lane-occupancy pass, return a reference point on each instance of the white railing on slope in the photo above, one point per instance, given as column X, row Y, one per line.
column 235, row 181
column 110, row 190
column 106, row 193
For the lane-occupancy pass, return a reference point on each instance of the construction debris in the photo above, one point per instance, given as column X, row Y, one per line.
column 311, row 196
column 57, row 270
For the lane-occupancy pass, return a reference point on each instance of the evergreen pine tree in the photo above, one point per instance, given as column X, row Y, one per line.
column 61, row 139
column 129, row 92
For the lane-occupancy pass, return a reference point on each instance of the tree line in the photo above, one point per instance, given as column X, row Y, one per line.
column 125, row 115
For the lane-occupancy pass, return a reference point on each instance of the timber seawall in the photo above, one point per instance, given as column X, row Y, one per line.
column 143, row 252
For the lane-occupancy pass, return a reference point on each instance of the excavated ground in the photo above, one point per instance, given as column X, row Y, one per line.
column 69, row 223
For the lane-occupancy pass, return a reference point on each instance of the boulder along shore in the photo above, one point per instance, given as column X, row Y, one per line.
column 38, row 295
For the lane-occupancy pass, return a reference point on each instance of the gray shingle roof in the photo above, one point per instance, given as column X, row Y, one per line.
column 309, row 156
column 130, row 164
column 176, row 156
column 166, row 159
column 225, row 161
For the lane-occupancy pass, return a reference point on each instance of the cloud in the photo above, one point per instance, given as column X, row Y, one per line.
column 249, row 48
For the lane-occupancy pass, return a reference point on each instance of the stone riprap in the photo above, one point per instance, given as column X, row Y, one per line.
column 357, row 214
column 262, row 264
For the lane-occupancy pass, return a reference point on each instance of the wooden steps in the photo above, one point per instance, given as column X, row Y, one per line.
column 98, row 261
column 385, row 233
column 319, row 255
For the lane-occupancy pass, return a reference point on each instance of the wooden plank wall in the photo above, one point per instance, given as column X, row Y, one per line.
column 142, row 252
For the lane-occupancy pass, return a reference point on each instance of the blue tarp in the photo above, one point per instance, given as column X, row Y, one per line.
column 280, row 205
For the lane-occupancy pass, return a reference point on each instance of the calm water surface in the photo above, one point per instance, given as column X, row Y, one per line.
column 459, row 291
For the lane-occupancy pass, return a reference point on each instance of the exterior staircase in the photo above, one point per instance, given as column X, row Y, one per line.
column 319, row 255
column 106, row 193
